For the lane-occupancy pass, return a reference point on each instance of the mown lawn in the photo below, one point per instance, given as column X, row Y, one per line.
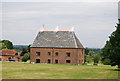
column 11, row 70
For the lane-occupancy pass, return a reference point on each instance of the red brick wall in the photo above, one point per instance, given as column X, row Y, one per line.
column 76, row 55
column 6, row 58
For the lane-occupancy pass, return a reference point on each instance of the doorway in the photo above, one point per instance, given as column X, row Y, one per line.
column 37, row 60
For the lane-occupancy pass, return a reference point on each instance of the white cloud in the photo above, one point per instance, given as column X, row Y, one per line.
column 95, row 21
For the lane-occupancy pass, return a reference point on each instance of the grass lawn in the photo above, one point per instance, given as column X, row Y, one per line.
column 11, row 70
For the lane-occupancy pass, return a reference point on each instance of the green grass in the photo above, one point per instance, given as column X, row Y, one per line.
column 56, row 71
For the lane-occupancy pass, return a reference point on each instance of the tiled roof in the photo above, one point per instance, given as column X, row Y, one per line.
column 59, row 39
column 7, row 52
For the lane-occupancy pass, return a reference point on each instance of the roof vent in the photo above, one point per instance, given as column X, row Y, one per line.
column 42, row 28
column 57, row 28
column 72, row 28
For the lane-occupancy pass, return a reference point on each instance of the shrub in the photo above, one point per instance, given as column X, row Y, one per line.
column 26, row 57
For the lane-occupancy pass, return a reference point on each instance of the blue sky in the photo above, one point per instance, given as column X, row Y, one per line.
column 93, row 21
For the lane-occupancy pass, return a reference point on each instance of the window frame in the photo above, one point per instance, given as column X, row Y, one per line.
column 68, row 60
column 68, row 54
column 57, row 61
column 37, row 53
column 56, row 53
column 49, row 61
column 49, row 53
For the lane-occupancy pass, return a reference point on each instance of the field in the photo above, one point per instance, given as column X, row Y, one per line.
column 11, row 70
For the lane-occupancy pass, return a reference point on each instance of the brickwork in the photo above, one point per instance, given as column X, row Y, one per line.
column 76, row 55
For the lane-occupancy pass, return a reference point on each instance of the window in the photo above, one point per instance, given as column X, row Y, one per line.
column 16, row 54
column 49, row 53
column 67, row 54
column 56, row 61
column 48, row 60
column 37, row 60
column 67, row 61
column 37, row 53
column 56, row 53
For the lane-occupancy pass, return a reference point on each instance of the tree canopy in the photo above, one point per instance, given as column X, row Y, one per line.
column 6, row 44
column 111, row 50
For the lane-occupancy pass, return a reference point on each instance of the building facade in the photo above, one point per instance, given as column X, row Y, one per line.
column 61, row 47
column 9, row 55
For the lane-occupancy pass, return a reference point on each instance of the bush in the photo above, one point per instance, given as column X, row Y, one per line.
column 96, row 59
column 26, row 57
column 106, row 61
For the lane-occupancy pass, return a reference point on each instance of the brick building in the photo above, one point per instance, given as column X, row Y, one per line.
column 61, row 47
column 7, row 55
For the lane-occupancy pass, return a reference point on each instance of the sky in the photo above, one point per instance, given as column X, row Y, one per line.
column 93, row 21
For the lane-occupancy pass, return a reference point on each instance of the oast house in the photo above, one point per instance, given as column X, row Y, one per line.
column 57, row 47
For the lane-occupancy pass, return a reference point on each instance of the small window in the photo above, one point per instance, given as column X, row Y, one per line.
column 67, row 61
column 49, row 61
column 56, row 53
column 67, row 54
column 49, row 53
column 37, row 53
column 56, row 61
column 16, row 54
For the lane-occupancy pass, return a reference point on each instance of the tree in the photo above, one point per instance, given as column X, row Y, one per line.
column 24, row 51
column 28, row 48
column 106, row 53
column 112, row 47
column 6, row 44
column 26, row 57
column 96, row 59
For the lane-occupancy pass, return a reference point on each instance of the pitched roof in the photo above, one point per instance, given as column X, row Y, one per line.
column 59, row 39
column 7, row 52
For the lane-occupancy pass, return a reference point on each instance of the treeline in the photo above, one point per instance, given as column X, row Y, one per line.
column 21, row 47
column 7, row 44
column 92, row 56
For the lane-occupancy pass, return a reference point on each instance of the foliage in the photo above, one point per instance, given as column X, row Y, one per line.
column 20, row 47
column 90, row 54
column 28, row 48
column 6, row 44
column 96, row 59
column 106, row 61
column 24, row 51
column 26, row 57
column 89, row 58
column 112, row 48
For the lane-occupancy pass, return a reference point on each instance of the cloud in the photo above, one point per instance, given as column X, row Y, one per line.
column 94, row 21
